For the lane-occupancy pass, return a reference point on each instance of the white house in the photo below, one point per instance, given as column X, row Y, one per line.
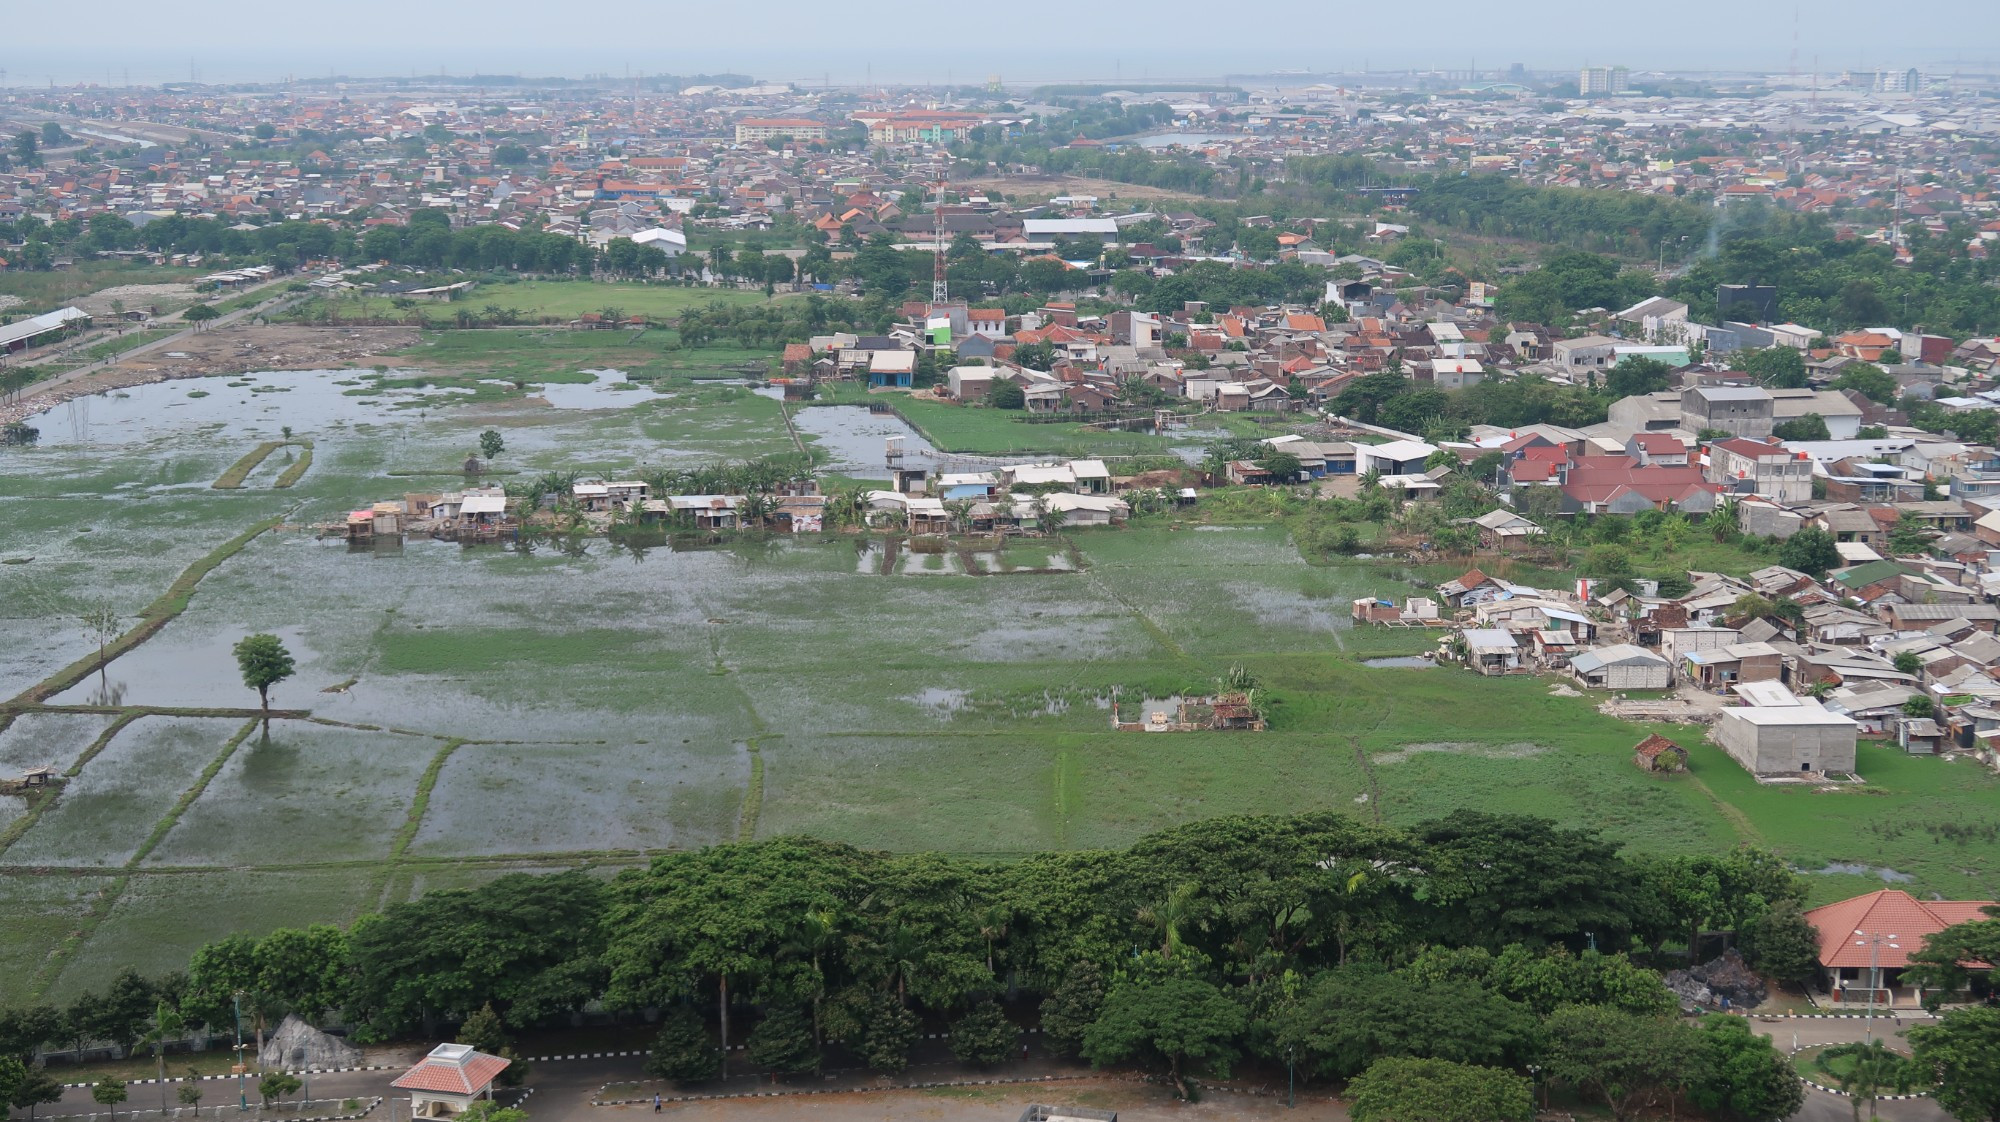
column 673, row 243
column 1397, row 457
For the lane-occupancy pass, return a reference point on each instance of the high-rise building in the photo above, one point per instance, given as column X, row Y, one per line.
column 1900, row 81
column 1596, row 80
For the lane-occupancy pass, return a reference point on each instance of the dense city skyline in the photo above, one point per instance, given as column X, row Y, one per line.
column 155, row 45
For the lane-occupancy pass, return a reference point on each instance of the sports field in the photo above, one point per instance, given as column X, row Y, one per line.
column 460, row 712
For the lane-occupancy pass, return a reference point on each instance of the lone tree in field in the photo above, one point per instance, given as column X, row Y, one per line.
column 491, row 444
column 264, row 662
column 103, row 624
column 200, row 314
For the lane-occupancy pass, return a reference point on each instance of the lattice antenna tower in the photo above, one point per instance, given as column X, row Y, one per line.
column 940, row 293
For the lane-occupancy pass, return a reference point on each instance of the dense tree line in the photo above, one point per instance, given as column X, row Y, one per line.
column 1482, row 940
column 1841, row 285
column 428, row 241
column 1626, row 223
column 1391, row 397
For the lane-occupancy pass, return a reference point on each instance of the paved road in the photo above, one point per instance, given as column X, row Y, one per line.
column 1822, row 1107
column 562, row 1088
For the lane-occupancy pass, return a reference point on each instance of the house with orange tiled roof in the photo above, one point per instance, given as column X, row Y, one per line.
column 1865, row 942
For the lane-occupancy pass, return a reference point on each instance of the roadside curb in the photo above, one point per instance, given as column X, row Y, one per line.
column 246, row 1075
column 367, row 1109
column 1818, row 1086
column 780, row 1093
column 1893, row 1018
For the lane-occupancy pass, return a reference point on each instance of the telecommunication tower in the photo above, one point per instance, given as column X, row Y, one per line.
column 940, row 294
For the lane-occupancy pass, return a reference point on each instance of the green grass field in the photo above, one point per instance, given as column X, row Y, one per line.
column 536, row 301
column 980, row 430
column 486, row 709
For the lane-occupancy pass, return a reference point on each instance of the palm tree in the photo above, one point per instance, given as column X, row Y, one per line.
column 818, row 931
column 993, row 923
column 900, row 953
column 1173, row 915
column 1722, row 519
column 1052, row 520
column 1213, row 465
column 1674, row 529
column 961, row 513
column 167, row 1024
column 755, row 507
column 1371, row 481
column 1872, row 1069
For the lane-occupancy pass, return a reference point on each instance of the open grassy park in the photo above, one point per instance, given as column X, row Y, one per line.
column 463, row 711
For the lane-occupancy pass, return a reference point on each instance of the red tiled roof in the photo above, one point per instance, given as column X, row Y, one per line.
column 1844, row 928
column 1598, row 479
column 1532, row 471
column 1527, row 440
column 1750, row 449
column 470, row 1078
column 1657, row 443
column 1654, row 745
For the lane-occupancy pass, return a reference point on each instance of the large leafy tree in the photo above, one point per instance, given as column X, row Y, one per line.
column 1515, row 879
column 984, row 1036
column 1630, row 1063
column 1403, row 1089
column 1355, row 1015
column 1781, row 944
column 1776, row 367
column 1962, row 1052
column 304, row 967
column 1183, row 1024
column 1941, row 965
column 1810, row 551
column 1549, row 979
column 264, row 662
column 783, row 1041
column 1069, row 1011
column 530, row 946
column 682, row 1050
column 1743, row 1075
column 701, row 922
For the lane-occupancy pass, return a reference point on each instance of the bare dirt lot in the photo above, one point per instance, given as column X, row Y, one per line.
column 166, row 297
column 228, row 350
column 1134, row 1102
column 234, row 350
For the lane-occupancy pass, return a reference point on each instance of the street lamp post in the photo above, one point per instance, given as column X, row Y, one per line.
column 1874, row 944
column 1291, row 1095
column 1535, row 1074
column 243, row 1097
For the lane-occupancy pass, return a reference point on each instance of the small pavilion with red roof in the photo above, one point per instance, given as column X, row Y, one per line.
column 1865, row 943
column 450, row 1079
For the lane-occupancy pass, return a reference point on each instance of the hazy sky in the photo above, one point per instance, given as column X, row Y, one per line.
column 234, row 40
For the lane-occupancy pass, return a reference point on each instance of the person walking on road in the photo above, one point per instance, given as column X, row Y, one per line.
column 656, row 1102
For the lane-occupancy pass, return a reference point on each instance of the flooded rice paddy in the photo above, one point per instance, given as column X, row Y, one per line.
column 477, row 709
